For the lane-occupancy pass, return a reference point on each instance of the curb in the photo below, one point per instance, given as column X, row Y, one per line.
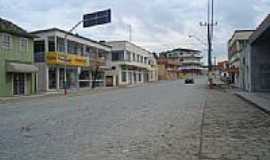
column 71, row 94
column 253, row 103
column 24, row 98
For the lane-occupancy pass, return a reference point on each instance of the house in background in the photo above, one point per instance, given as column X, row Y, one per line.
column 132, row 64
column 17, row 72
column 188, row 59
column 168, row 68
column 86, row 60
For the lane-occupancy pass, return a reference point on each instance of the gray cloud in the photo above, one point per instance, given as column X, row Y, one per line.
column 157, row 24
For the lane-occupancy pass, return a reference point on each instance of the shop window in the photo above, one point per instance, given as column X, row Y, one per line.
column 135, row 77
column 85, row 79
column 19, row 84
column 52, row 78
column 124, row 76
column 140, row 77
column 134, row 57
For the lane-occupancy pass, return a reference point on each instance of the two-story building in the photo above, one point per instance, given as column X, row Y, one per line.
column 82, row 63
column 236, row 45
column 17, row 72
column 132, row 64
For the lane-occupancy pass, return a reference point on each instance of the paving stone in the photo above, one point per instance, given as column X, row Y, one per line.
column 234, row 129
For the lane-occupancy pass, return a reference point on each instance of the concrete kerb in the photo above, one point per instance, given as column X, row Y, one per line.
column 4, row 100
column 53, row 94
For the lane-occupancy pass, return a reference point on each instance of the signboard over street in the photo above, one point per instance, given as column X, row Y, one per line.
column 97, row 18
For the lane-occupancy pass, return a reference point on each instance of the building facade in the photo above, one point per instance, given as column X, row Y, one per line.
column 84, row 64
column 257, row 59
column 223, row 70
column 189, row 59
column 236, row 46
column 132, row 64
column 17, row 72
column 168, row 69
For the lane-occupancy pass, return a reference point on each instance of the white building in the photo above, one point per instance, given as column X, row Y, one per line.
column 190, row 59
column 80, row 61
column 236, row 46
column 132, row 64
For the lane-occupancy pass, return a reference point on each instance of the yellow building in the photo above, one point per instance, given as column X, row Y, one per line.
column 76, row 65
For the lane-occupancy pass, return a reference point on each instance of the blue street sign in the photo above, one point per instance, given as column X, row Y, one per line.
column 97, row 18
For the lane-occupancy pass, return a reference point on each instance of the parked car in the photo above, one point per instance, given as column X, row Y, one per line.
column 189, row 81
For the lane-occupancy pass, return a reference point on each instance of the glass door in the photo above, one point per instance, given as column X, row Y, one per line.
column 52, row 78
column 18, row 84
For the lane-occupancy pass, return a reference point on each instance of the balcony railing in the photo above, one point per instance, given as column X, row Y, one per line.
column 169, row 62
column 133, row 63
column 192, row 62
column 68, row 59
column 100, row 61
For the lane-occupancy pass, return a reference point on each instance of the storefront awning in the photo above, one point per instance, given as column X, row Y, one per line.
column 21, row 68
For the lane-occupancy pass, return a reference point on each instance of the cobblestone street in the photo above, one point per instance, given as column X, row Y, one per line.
column 161, row 121
column 234, row 129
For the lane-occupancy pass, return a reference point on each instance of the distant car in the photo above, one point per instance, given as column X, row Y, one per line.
column 189, row 81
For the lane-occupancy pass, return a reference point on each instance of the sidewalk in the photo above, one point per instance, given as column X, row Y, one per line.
column 233, row 129
column 71, row 93
column 261, row 100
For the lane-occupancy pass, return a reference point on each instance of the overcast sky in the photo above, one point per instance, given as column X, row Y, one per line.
column 157, row 25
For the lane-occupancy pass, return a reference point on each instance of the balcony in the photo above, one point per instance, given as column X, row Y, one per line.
column 132, row 63
column 169, row 62
column 100, row 61
column 191, row 55
column 192, row 62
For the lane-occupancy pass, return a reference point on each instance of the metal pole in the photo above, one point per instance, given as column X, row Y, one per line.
column 209, row 39
column 65, row 69
column 66, row 54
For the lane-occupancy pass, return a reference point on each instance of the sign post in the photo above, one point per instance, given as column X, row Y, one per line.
column 97, row 18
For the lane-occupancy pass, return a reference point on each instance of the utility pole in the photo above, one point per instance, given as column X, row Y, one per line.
column 210, row 34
